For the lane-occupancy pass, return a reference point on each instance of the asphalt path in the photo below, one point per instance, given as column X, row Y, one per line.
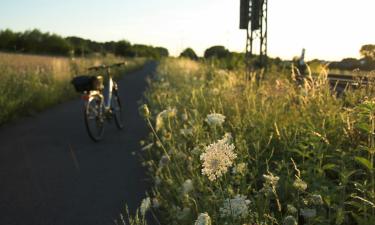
column 51, row 173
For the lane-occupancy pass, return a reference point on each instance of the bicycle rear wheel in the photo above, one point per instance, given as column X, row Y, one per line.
column 117, row 110
column 94, row 117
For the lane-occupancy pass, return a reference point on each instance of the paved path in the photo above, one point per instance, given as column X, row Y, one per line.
column 51, row 173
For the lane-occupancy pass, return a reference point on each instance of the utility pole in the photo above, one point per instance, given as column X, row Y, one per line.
column 253, row 19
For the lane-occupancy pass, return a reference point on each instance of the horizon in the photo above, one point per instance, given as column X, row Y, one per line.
column 179, row 25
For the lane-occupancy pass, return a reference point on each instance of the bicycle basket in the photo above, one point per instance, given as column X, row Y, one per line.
column 87, row 83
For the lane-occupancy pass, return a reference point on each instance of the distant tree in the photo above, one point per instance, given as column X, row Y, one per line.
column 189, row 53
column 217, row 52
column 162, row 52
column 8, row 40
column 124, row 48
column 368, row 51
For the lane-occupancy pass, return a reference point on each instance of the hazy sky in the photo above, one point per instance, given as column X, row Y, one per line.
column 328, row 29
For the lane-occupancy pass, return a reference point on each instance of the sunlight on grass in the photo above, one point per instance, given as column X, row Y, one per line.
column 235, row 152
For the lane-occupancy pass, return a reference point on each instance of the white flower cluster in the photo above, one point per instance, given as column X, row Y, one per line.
column 145, row 205
column 237, row 207
column 203, row 219
column 270, row 179
column 300, row 184
column 216, row 159
column 215, row 119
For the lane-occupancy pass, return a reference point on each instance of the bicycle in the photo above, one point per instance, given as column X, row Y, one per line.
column 101, row 102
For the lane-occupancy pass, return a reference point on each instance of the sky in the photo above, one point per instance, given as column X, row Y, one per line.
column 328, row 29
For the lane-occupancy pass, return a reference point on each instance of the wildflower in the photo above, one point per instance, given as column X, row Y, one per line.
column 216, row 158
column 291, row 209
column 316, row 200
column 236, row 207
column 203, row 219
column 308, row 213
column 290, row 220
column 300, row 184
column 145, row 205
column 187, row 186
column 215, row 119
column 144, row 111
column 239, row 168
column 167, row 113
column 271, row 179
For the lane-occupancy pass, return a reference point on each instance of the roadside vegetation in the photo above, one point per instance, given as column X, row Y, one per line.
column 224, row 150
column 30, row 83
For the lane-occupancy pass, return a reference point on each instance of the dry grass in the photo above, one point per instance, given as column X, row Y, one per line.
column 30, row 83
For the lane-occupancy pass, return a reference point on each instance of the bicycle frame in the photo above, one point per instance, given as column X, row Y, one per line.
column 108, row 99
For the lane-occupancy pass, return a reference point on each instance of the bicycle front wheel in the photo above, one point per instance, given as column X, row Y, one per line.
column 94, row 117
column 117, row 110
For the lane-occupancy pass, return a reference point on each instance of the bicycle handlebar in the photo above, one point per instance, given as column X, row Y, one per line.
column 101, row 67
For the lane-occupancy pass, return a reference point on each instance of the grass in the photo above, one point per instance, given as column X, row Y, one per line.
column 282, row 155
column 30, row 83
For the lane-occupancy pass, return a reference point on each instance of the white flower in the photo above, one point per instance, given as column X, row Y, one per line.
column 216, row 158
column 214, row 119
column 145, row 205
column 271, row 179
column 300, row 184
column 308, row 213
column 239, row 168
column 187, row 186
column 236, row 207
column 203, row 219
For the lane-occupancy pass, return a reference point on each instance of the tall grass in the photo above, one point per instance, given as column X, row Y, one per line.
column 282, row 155
column 30, row 83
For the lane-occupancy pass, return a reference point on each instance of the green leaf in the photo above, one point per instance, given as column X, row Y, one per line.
column 329, row 166
column 364, row 162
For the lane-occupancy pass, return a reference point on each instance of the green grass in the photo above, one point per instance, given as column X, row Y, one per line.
column 29, row 83
column 302, row 154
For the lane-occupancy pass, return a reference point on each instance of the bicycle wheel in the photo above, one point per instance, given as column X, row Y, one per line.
column 94, row 117
column 117, row 110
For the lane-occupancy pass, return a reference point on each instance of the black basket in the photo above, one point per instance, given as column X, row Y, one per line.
column 85, row 83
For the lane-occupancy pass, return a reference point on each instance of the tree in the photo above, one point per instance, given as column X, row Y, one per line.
column 124, row 48
column 189, row 53
column 368, row 51
column 217, row 52
column 162, row 52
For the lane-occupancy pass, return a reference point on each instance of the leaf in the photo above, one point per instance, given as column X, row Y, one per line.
column 329, row 166
column 364, row 162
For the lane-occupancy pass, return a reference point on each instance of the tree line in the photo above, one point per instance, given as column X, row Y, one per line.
column 37, row 42
column 366, row 62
